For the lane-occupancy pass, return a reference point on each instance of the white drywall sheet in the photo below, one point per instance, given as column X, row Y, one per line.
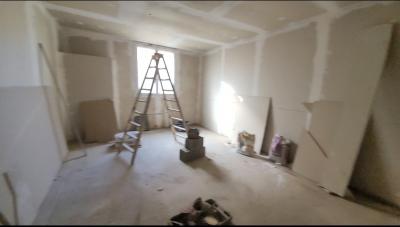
column 250, row 113
column 352, row 81
column 309, row 158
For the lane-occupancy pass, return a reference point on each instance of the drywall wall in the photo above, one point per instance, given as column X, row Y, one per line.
column 88, row 78
column 122, row 54
column 31, row 152
column 285, row 76
column 279, row 67
column 187, row 84
column 353, row 71
column 15, row 40
column 377, row 167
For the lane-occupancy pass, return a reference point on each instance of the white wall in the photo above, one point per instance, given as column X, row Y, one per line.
column 122, row 54
column 279, row 67
column 311, row 63
column 31, row 149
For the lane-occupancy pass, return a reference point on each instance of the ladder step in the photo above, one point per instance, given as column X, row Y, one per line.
column 132, row 134
column 175, row 118
column 181, row 135
column 146, row 89
column 164, row 79
column 129, row 148
column 149, row 78
column 138, row 112
column 135, row 123
column 176, row 110
column 179, row 127
column 141, row 100
column 168, row 90
column 171, row 100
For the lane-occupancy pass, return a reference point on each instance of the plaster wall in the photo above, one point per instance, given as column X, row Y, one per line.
column 122, row 54
column 32, row 147
column 280, row 67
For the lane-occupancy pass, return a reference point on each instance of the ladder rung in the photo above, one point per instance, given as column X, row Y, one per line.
column 179, row 127
column 138, row 112
column 132, row 135
column 141, row 100
column 177, row 119
column 149, row 78
column 180, row 135
column 171, row 100
column 176, row 110
column 164, row 79
column 162, row 68
column 128, row 147
column 168, row 90
column 135, row 123
column 146, row 89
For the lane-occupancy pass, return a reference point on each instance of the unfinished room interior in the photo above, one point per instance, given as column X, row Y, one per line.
column 199, row 112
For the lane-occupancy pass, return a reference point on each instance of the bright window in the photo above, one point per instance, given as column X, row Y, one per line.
column 144, row 55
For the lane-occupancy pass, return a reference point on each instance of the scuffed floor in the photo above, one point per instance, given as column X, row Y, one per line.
column 102, row 189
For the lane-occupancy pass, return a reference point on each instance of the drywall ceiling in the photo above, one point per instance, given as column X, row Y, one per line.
column 189, row 25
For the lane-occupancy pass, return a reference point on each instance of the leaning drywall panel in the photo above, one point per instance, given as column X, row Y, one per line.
column 377, row 165
column 354, row 71
column 325, row 115
column 249, row 114
column 309, row 158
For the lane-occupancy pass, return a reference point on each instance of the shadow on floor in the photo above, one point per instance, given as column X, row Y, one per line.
column 209, row 166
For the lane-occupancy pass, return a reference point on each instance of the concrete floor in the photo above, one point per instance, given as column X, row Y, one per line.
column 102, row 189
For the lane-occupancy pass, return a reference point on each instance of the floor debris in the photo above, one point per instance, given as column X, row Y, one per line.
column 203, row 213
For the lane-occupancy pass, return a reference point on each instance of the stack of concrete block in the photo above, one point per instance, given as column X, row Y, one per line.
column 194, row 148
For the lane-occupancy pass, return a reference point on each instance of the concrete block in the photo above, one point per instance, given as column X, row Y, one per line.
column 186, row 155
column 193, row 133
column 194, row 144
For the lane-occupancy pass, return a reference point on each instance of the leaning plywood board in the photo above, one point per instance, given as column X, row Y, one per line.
column 309, row 158
column 250, row 114
column 354, row 71
column 98, row 120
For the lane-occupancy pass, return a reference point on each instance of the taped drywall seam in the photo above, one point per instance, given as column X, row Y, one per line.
column 214, row 18
column 32, row 42
column 222, row 70
column 259, row 45
column 199, row 98
column 322, row 32
column 225, row 8
column 362, row 5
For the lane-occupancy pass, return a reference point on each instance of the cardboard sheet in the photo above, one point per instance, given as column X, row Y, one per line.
column 98, row 120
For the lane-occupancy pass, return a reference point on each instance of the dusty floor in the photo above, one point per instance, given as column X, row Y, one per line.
column 102, row 189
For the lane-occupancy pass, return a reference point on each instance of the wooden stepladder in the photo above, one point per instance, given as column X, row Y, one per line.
column 141, row 106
